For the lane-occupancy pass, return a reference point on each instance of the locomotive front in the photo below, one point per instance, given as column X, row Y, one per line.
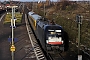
column 54, row 37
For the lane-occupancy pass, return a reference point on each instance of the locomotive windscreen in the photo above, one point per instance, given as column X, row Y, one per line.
column 54, row 33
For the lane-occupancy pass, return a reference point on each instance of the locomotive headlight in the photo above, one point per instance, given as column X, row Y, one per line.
column 47, row 41
column 62, row 41
column 49, row 38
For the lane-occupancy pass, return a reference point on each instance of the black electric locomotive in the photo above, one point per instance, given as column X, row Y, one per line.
column 49, row 34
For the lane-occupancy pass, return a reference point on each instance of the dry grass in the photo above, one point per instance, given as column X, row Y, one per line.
column 9, row 16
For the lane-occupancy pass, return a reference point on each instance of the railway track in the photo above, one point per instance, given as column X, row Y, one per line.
column 55, row 56
column 1, row 17
column 1, row 13
column 83, row 50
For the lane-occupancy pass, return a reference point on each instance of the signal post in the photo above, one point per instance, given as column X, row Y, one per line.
column 79, row 21
column 12, row 48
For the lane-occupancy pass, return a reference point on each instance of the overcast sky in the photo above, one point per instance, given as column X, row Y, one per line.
column 44, row 0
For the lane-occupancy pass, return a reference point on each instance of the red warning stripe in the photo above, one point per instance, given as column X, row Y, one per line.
column 54, row 43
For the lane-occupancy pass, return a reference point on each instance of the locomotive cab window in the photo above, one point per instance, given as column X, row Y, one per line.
column 54, row 33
